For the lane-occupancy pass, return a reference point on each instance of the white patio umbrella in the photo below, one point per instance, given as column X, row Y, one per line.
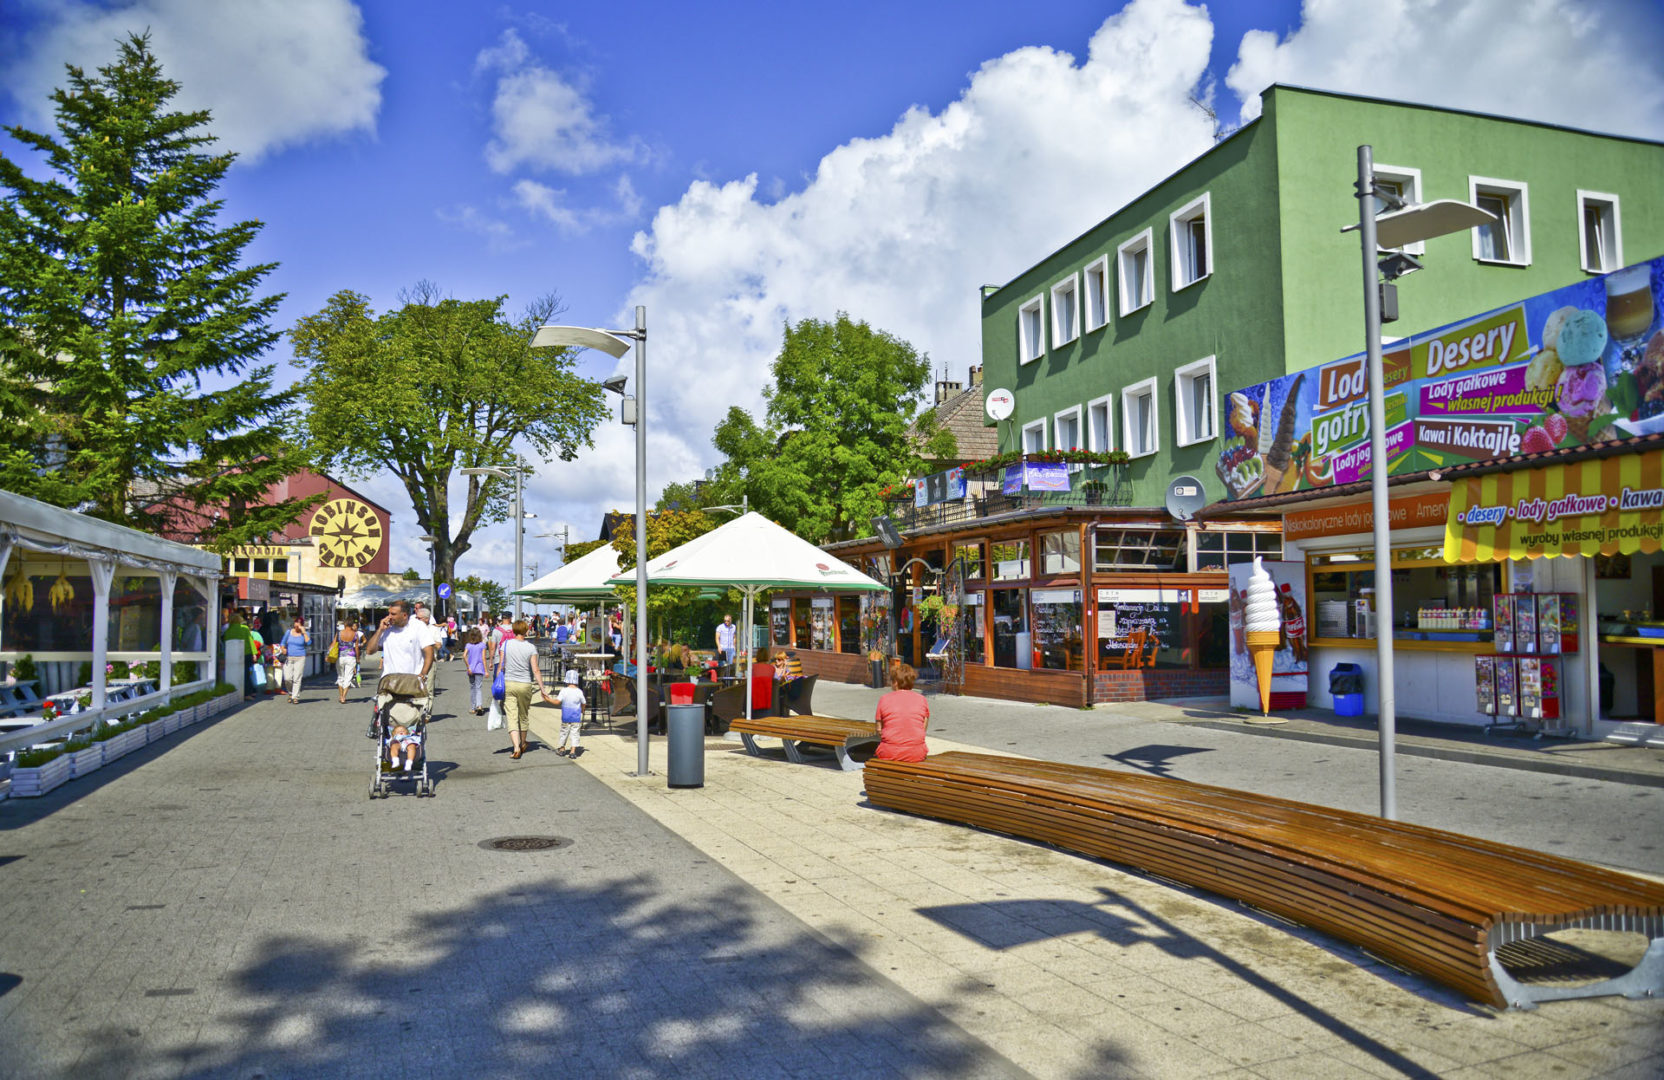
column 584, row 579
column 753, row 554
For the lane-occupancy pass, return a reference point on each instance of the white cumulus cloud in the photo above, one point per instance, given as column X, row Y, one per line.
column 273, row 72
column 901, row 229
column 542, row 120
column 1586, row 64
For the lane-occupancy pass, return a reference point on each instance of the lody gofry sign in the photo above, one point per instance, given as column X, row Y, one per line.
column 1583, row 363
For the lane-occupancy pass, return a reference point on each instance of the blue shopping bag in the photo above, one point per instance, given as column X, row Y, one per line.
column 499, row 687
column 259, row 678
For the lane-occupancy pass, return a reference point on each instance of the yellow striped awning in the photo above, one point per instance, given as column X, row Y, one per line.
column 1605, row 507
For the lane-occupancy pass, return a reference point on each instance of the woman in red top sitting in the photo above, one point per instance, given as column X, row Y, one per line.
column 902, row 716
column 762, row 683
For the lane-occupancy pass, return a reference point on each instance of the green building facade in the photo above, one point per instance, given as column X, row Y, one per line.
column 1234, row 269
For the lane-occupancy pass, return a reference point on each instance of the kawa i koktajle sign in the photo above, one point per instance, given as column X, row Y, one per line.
column 1581, row 364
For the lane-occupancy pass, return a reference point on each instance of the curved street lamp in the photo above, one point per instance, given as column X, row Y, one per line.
column 616, row 343
column 1405, row 224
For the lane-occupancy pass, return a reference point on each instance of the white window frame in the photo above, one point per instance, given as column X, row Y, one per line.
column 1080, row 431
column 1071, row 286
column 1410, row 180
column 1202, row 207
column 1146, row 387
column 1108, row 404
column 1039, row 425
column 1098, row 269
column 1145, row 241
column 1184, row 424
column 1616, row 256
column 1029, row 351
column 1518, row 195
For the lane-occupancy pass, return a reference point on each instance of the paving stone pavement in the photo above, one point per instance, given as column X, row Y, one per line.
column 1072, row 968
column 229, row 903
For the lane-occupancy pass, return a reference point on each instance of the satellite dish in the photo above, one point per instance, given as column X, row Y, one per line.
column 1000, row 403
column 1185, row 496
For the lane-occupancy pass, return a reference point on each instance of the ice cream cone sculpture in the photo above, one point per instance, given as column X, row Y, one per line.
column 1264, row 622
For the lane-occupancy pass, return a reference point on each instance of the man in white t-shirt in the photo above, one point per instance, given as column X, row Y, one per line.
column 406, row 646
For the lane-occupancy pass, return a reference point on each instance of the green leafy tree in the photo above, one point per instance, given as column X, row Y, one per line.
column 129, row 325
column 411, row 574
column 844, row 419
column 435, row 386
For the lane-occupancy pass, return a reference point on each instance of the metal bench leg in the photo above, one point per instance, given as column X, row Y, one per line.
column 1644, row 980
column 793, row 754
column 845, row 762
column 750, row 742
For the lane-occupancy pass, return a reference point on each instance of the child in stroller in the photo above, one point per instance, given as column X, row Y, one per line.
column 402, row 707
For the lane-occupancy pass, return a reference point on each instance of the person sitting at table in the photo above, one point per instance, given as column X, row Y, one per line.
column 790, row 666
column 762, row 682
column 902, row 716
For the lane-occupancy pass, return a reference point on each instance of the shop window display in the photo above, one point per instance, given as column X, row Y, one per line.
column 48, row 606
column 1011, row 636
column 1148, row 628
column 1137, row 549
column 1058, row 630
column 970, row 559
column 190, row 617
column 849, row 624
column 1433, row 601
column 1217, row 550
column 1010, row 559
column 975, row 628
column 780, row 625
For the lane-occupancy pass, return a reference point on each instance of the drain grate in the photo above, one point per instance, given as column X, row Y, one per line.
column 525, row 843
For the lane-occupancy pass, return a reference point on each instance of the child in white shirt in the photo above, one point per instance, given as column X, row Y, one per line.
column 571, row 701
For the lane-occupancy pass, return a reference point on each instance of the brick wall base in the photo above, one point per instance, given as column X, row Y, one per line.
column 1154, row 685
column 835, row 667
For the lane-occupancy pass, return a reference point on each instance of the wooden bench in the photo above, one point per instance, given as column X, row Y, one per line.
column 828, row 732
column 1431, row 901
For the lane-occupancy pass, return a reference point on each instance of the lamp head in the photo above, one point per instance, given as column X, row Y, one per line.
column 615, row 384
column 1398, row 264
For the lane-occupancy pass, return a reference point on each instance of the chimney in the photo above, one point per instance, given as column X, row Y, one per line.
column 976, row 375
column 946, row 388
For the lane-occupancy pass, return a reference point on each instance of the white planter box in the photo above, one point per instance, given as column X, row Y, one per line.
column 173, row 722
column 85, row 761
column 123, row 744
column 199, row 713
column 30, row 783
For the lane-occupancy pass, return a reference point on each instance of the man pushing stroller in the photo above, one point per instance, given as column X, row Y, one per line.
column 406, row 647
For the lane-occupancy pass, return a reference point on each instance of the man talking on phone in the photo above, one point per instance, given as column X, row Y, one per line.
column 406, row 647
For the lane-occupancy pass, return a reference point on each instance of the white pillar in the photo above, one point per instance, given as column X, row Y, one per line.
column 103, row 573
column 169, row 579
column 210, row 635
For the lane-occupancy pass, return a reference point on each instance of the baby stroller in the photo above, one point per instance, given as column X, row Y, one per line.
column 401, row 701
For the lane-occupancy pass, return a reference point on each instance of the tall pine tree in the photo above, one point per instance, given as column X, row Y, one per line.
column 128, row 328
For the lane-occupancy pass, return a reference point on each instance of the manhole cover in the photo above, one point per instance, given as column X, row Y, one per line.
column 525, row 843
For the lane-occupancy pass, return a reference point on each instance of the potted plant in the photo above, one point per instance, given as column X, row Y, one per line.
column 39, row 770
column 1094, row 490
column 84, row 755
column 24, row 667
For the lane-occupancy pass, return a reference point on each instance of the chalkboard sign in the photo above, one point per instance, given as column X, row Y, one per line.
column 1164, row 622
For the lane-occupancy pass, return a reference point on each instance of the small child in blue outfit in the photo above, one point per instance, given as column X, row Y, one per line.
column 571, row 716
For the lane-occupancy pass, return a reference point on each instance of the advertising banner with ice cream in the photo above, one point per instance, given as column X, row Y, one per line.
column 1267, row 614
column 1581, row 364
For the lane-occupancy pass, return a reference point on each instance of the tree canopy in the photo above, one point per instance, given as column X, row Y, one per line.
column 128, row 323
column 435, row 386
column 844, row 419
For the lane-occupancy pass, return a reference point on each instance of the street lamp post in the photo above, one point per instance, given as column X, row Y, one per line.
column 1406, row 225
column 616, row 343
column 518, row 472
column 433, row 570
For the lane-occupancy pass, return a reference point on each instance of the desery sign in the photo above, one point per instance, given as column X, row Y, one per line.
column 1581, row 364
column 1591, row 508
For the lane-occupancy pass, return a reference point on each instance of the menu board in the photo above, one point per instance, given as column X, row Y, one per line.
column 1566, row 368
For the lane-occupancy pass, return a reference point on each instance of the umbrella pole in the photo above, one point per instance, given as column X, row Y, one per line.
column 749, row 673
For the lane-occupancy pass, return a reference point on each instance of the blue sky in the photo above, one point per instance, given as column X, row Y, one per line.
column 902, row 153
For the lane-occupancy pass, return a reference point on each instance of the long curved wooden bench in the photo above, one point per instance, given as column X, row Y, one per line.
column 831, row 733
column 1434, row 902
